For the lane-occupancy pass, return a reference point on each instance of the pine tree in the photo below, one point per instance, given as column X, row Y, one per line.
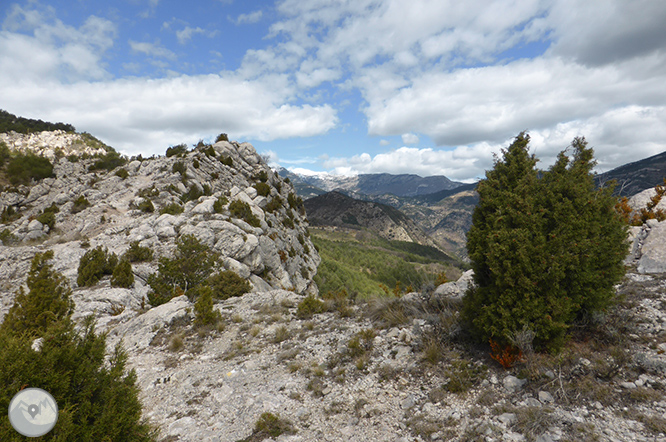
column 97, row 400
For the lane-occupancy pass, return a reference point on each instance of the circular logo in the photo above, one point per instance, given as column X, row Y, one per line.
column 33, row 412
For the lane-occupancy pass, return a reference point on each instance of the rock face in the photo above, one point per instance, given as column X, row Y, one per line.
column 275, row 253
column 53, row 143
column 648, row 242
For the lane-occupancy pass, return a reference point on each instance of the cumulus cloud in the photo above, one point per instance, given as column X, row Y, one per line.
column 34, row 44
column 410, row 138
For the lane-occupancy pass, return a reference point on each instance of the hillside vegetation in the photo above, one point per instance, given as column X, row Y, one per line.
column 364, row 264
column 10, row 122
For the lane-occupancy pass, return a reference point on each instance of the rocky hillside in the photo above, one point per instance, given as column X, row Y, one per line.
column 338, row 210
column 224, row 195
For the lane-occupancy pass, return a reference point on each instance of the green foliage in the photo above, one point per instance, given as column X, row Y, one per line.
column 47, row 217
column 261, row 176
column 274, row 204
column 10, row 122
column 137, row 253
column 241, row 209
column 122, row 173
column 179, row 167
column 9, row 214
column 122, row 275
column 210, row 151
column 263, row 189
column 365, row 268
column 80, row 204
column 4, row 153
column 218, row 205
column 146, row 206
column 309, row 306
column 177, row 150
column 21, row 169
column 149, row 192
column 545, row 252
column 269, row 426
column 94, row 264
column 296, row 202
column 204, row 314
column 227, row 161
column 222, row 137
column 97, row 398
column 172, row 209
column 108, row 161
column 7, row 238
column 192, row 194
column 191, row 265
column 195, row 163
column 46, row 302
column 227, row 284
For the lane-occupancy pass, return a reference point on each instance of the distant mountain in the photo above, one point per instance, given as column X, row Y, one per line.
column 403, row 185
column 338, row 210
column 637, row 176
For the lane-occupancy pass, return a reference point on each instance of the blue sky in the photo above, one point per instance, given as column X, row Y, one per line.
column 365, row 86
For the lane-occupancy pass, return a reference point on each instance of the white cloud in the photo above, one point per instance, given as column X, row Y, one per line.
column 252, row 17
column 49, row 48
column 410, row 138
column 152, row 49
column 384, row 142
column 185, row 34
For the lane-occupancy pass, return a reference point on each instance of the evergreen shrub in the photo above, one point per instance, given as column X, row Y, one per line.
column 546, row 252
column 94, row 265
column 122, row 275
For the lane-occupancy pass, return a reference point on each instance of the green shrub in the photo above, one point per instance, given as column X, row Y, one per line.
column 47, row 217
column 545, row 251
column 97, row 396
column 108, row 161
column 4, row 153
column 263, row 189
column 80, row 204
column 149, row 192
column 210, row 151
column 122, row 275
column 218, row 205
column 21, row 169
column 192, row 194
column 195, row 163
column 274, row 204
column 222, row 137
column 296, row 202
column 204, row 313
column 137, row 253
column 227, row 161
column 241, row 209
column 146, row 206
column 189, row 268
column 7, row 238
column 122, row 173
column 9, row 214
column 172, row 209
column 178, row 150
column 288, row 221
column 46, row 302
column 227, row 284
column 309, row 306
column 269, row 426
column 94, row 264
column 73, row 158
column 261, row 176
column 179, row 167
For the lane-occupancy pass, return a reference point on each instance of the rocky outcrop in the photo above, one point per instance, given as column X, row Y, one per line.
column 100, row 208
column 52, row 144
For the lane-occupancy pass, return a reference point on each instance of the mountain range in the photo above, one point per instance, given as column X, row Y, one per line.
column 441, row 209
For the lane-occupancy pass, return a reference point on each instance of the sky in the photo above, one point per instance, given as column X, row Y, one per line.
column 430, row 87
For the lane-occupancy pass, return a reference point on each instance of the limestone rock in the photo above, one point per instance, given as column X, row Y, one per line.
column 653, row 250
column 456, row 289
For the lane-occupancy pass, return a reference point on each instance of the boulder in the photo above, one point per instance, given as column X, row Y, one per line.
column 456, row 289
column 653, row 251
